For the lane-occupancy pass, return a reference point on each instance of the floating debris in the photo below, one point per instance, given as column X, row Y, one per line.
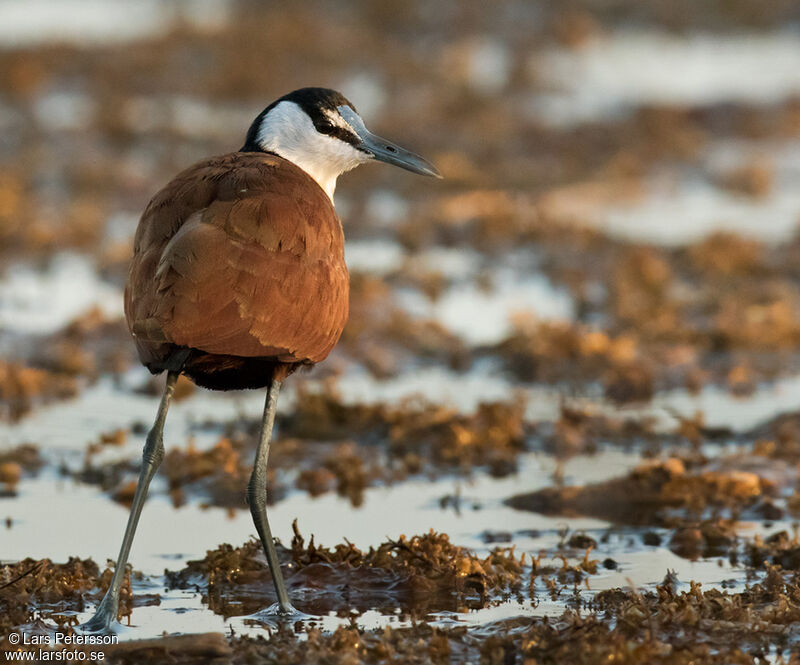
column 418, row 574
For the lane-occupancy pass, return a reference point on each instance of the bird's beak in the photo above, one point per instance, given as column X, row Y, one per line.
column 386, row 151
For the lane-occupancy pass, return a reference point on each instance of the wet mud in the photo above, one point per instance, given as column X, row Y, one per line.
column 415, row 576
column 546, row 361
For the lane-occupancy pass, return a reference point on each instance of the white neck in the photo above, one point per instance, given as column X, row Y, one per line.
column 288, row 131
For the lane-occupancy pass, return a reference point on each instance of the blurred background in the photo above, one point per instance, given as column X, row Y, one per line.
column 608, row 277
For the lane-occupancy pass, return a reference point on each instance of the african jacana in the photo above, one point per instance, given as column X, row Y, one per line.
column 238, row 277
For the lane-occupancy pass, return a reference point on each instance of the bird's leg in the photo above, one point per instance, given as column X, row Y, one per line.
column 257, row 498
column 152, row 455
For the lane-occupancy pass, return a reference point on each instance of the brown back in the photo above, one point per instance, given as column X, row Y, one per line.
column 240, row 255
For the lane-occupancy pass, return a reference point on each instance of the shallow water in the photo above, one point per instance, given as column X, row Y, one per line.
column 675, row 206
column 96, row 22
column 79, row 520
column 617, row 72
column 36, row 300
column 481, row 316
column 669, row 200
column 56, row 517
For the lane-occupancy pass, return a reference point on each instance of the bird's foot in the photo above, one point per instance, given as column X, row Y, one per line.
column 104, row 621
column 278, row 614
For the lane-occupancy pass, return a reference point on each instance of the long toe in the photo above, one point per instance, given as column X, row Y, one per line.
column 98, row 624
column 277, row 614
column 102, row 623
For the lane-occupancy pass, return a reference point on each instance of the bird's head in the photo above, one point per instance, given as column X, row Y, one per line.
column 320, row 131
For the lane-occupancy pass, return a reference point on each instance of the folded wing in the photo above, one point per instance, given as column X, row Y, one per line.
column 246, row 261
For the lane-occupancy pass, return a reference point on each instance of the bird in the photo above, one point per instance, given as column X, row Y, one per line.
column 238, row 278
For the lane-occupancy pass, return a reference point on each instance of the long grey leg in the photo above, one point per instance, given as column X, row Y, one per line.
column 257, row 498
column 152, row 455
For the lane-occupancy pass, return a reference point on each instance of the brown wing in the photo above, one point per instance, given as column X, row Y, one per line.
column 240, row 255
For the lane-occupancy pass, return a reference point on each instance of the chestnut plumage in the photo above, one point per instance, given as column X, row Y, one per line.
column 240, row 260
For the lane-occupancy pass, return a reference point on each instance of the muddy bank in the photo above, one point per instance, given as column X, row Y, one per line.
column 417, row 575
column 650, row 492
column 664, row 626
column 33, row 592
column 328, row 445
